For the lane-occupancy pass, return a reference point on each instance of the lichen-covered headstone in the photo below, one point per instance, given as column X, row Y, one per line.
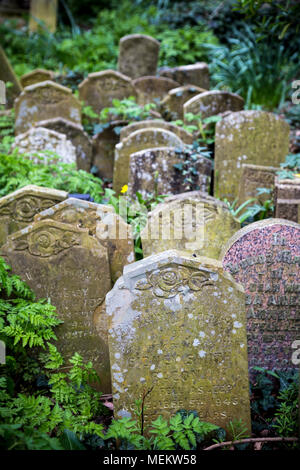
column 152, row 89
column 193, row 74
column 138, row 55
column 139, row 140
column 254, row 177
column 265, row 258
column 68, row 266
column 177, row 330
column 99, row 89
column 287, row 199
column 192, row 222
column 255, row 137
column 185, row 136
column 45, row 100
column 36, row 76
column 18, row 209
column 211, row 103
column 171, row 106
column 153, row 170
column 101, row 221
column 43, row 145
column 75, row 134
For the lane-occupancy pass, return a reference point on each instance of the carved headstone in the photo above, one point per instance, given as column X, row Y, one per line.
column 171, row 106
column 255, row 137
column 36, row 76
column 138, row 55
column 254, row 177
column 18, row 209
column 68, row 266
column 152, row 89
column 185, row 136
column 265, row 258
column 213, row 102
column 45, row 100
column 192, row 222
column 139, row 140
column 193, row 74
column 177, row 330
column 287, row 199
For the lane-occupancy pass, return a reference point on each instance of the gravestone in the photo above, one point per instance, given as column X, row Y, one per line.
column 66, row 265
column 255, row 137
column 153, row 170
column 265, row 258
column 76, row 135
column 43, row 14
column 254, row 177
column 185, row 136
column 193, row 74
column 211, row 103
column 38, row 144
column 138, row 55
column 139, row 140
column 99, row 89
column 287, row 199
column 171, row 106
column 45, row 100
column 7, row 74
column 36, row 76
column 2, row 93
column 101, row 221
column 192, row 222
column 18, row 209
column 177, row 330
column 152, row 89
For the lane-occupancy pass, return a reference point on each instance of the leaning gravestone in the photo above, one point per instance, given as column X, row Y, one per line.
column 36, row 76
column 254, row 177
column 255, row 137
column 18, row 209
column 185, row 136
column 66, row 265
column 139, row 140
column 287, row 199
column 138, row 55
column 101, row 221
column 265, row 258
column 171, row 106
column 154, row 170
column 211, row 103
column 193, row 74
column 7, row 74
column 43, row 145
column 192, row 222
column 45, row 100
column 152, row 89
column 177, row 330
column 99, row 89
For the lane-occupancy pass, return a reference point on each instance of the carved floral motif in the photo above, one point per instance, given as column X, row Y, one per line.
column 24, row 209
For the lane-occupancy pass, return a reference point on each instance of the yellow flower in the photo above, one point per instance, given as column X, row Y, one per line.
column 124, row 189
column 297, row 175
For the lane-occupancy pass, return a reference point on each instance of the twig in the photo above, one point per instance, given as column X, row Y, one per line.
column 253, row 439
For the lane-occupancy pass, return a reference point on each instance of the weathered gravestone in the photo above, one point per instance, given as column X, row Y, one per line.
column 152, row 89
column 45, row 100
column 177, row 330
column 7, row 74
column 192, row 222
column 101, row 221
column 36, row 76
column 171, row 106
column 138, row 55
column 139, row 140
column 40, row 145
column 265, row 258
column 256, row 137
column 99, row 89
column 2, row 93
column 213, row 102
column 18, row 209
column 153, row 170
column 287, row 199
column 75, row 134
column 43, row 14
column 68, row 266
column 193, row 74
column 185, row 136
column 254, row 177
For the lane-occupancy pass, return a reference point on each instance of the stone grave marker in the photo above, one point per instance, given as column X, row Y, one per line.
column 153, row 170
column 45, row 12
column 7, row 74
column 101, row 221
column 39, row 143
column 193, row 74
column 99, row 89
column 152, row 89
column 265, row 258
column 171, row 106
column 253, row 177
column 211, row 103
column 139, row 140
column 185, row 136
column 68, row 266
column 138, row 55
column 18, row 209
column 177, row 330
column 2, row 93
column 192, row 222
column 255, row 137
column 36, row 76
column 45, row 100
column 287, row 199
column 76, row 135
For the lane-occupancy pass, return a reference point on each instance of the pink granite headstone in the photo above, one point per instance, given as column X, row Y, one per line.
column 265, row 258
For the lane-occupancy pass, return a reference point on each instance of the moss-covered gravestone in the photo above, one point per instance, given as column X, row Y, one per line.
column 211, row 103
column 287, row 199
column 177, row 330
column 185, row 136
column 152, row 89
column 36, row 76
column 138, row 55
column 254, row 177
column 171, row 106
column 192, row 74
